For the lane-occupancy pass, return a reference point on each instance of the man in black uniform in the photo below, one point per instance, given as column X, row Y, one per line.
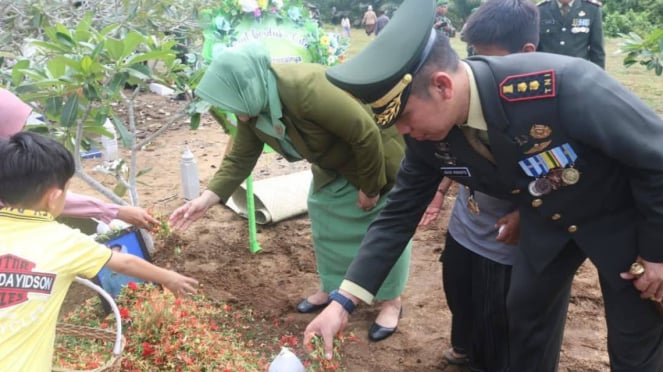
column 573, row 28
column 588, row 183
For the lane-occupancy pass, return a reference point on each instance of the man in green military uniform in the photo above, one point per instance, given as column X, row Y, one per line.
column 442, row 22
column 573, row 28
column 588, row 183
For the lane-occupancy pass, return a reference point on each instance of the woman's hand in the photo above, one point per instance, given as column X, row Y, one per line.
column 192, row 210
column 136, row 216
column 366, row 202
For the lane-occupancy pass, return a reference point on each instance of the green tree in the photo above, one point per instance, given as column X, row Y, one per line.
column 77, row 79
column 624, row 16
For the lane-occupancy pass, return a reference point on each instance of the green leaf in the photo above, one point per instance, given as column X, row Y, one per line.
column 56, row 66
column 115, row 48
column 62, row 29
column 82, row 33
column 122, row 131
column 65, row 39
column 139, row 71
column 195, row 121
column 91, row 92
column 96, row 129
column 51, row 46
column 143, row 171
column 53, row 105
column 70, row 111
column 120, row 190
column 202, row 106
column 117, row 82
column 152, row 56
column 17, row 71
column 86, row 64
column 131, row 41
column 98, row 48
column 630, row 60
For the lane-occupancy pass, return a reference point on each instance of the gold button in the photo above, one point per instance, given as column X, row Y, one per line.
column 515, row 191
column 556, row 216
column 572, row 229
column 537, row 203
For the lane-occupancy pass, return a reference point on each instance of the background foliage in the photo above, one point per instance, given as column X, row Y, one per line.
column 620, row 16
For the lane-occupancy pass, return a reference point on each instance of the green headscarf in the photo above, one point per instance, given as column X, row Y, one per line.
column 240, row 81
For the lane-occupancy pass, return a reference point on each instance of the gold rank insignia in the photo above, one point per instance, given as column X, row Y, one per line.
column 540, row 131
column 525, row 87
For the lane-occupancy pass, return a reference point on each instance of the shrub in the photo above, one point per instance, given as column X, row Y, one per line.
column 617, row 23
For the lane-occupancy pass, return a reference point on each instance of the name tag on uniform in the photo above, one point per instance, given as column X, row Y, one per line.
column 456, row 171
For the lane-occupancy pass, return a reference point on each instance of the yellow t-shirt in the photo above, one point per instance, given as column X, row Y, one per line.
column 39, row 259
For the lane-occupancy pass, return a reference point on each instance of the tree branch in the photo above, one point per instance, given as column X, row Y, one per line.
column 99, row 187
column 152, row 136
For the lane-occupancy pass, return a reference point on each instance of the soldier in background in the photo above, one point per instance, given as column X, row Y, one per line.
column 442, row 22
column 382, row 21
column 369, row 20
column 573, row 28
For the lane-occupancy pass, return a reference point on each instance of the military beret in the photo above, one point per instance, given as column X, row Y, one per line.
column 380, row 75
column 442, row 2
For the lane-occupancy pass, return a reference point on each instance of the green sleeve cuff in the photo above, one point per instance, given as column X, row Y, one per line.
column 357, row 291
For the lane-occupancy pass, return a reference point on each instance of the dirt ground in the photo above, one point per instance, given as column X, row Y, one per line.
column 215, row 251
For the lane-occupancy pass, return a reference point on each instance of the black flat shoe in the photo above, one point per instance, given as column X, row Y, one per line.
column 379, row 333
column 306, row 307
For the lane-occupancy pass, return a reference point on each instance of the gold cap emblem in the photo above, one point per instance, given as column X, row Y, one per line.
column 540, row 131
column 391, row 102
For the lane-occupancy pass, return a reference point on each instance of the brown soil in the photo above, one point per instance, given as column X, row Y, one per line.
column 215, row 251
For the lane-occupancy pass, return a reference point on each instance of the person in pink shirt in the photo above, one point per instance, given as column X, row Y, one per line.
column 13, row 117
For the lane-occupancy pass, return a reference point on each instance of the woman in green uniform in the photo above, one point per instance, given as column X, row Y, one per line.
column 297, row 112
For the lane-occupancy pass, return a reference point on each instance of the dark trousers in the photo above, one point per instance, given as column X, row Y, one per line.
column 538, row 303
column 476, row 290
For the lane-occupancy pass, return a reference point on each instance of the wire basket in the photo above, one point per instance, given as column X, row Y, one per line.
column 113, row 364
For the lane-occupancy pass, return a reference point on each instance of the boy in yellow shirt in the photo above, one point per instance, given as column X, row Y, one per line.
column 39, row 257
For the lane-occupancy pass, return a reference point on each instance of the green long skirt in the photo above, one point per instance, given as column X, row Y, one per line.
column 338, row 227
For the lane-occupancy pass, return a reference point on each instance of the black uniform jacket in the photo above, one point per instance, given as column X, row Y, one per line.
column 533, row 103
column 579, row 34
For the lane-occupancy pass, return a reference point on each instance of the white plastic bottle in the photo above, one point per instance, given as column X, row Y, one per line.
column 109, row 144
column 286, row 361
column 189, row 175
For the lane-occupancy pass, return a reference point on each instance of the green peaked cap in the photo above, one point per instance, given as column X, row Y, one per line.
column 381, row 73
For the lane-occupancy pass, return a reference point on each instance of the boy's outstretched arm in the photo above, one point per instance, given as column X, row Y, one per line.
column 133, row 266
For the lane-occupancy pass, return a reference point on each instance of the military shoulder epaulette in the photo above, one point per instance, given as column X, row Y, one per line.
column 542, row 2
column 529, row 86
column 594, row 2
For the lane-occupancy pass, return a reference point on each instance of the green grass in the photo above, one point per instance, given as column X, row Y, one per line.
column 643, row 83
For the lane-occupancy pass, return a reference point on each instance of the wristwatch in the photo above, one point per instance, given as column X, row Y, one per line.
column 347, row 303
column 372, row 195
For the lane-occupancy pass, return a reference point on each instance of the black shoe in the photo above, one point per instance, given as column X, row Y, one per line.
column 379, row 333
column 306, row 307
column 451, row 356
